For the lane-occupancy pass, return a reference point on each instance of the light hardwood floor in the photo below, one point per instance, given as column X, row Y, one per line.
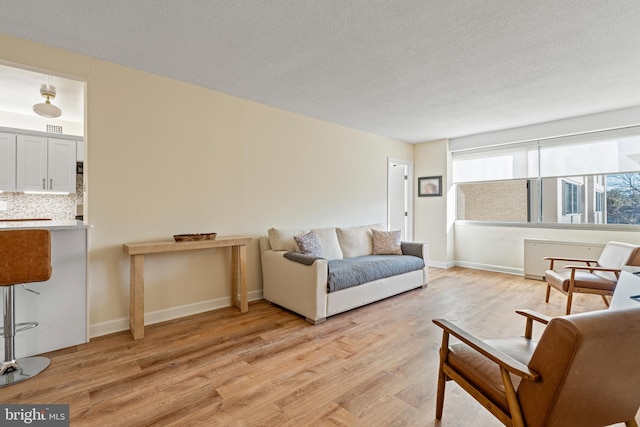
column 373, row 366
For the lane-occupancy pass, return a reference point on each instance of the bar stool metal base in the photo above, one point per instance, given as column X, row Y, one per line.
column 28, row 367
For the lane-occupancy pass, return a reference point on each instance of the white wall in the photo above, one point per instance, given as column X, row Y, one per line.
column 21, row 121
column 433, row 225
column 501, row 248
column 165, row 157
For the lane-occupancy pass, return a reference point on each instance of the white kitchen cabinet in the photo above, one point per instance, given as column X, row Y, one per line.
column 45, row 164
column 79, row 151
column 7, row 162
column 62, row 165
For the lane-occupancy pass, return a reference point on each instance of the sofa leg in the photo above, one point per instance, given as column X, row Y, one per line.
column 316, row 322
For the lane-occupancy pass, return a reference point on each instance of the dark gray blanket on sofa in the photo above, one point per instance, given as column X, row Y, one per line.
column 348, row 272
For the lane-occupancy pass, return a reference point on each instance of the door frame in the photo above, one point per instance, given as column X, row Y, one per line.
column 408, row 194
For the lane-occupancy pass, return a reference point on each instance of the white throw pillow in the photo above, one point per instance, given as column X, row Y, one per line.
column 329, row 241
column 356, row 241
column 281, row 239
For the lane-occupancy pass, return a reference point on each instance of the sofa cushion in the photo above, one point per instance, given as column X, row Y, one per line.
column 356, row 241
column 345, row 273
column 329, row 241
column 281, row 239
column 386, row 242
column 309, row 244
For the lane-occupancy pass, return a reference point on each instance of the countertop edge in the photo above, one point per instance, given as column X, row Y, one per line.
column 49, row 225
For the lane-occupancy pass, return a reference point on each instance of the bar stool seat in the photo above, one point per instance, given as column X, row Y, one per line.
column 25, row 257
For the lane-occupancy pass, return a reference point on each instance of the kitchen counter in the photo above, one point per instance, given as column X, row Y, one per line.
column 50, row 225
column 61, row 306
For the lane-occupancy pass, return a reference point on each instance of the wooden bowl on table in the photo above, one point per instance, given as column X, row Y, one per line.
column 194, row 237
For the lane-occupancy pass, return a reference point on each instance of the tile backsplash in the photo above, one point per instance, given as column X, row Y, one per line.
column 53, row 206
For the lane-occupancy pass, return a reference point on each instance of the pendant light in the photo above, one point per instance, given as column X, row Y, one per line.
column 47, row 109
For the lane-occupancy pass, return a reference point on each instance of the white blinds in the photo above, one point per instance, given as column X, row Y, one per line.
column 608, row 152
column 493, row 164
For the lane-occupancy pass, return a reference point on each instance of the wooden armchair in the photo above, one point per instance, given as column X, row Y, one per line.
column 582, row 372
column 591, row 276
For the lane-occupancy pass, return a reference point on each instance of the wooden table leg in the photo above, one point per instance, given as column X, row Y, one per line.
column 239, row 277
column 136, row 301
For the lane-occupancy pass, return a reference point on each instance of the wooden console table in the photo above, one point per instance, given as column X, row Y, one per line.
column 137, row 251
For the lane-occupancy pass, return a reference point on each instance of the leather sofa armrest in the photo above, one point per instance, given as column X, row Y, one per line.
column 420, row 250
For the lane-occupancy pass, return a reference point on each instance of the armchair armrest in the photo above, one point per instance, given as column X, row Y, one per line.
column 592, row 268
column 534, row 315
column 553, row 259
column 503, row 360
column 569, row 259
column 531, row 316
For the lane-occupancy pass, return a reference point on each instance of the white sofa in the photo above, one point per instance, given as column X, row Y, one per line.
column 303, row 289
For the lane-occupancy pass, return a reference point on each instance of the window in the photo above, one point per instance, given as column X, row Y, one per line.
column 623, row 198
column 571, row 195
column 592, row 178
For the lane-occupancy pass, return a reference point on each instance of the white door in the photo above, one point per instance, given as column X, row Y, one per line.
column 399, row 201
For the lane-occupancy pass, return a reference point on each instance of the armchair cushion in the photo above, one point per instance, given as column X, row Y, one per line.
column 616, row 255
column 560, row 279
column 483, row 373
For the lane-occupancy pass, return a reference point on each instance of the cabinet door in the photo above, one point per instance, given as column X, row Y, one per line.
column 79, row 151
column 7, row 162
column 31, row 164
column 62, row 165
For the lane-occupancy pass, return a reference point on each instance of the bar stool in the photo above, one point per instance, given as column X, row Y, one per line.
column 25, row 257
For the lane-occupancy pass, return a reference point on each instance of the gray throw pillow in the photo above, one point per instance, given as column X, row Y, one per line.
column 309, row 244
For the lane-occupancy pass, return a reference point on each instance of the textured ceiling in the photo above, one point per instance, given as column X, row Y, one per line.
column 414, row 70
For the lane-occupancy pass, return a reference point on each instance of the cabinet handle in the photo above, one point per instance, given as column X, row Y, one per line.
column 51, row 184
column 44, row 184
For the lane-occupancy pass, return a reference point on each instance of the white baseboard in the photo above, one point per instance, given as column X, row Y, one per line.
column 438, row 264
column 489, row 267
column 122, row 324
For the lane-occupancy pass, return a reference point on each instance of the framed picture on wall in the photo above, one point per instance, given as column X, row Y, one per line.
column 430, row 186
